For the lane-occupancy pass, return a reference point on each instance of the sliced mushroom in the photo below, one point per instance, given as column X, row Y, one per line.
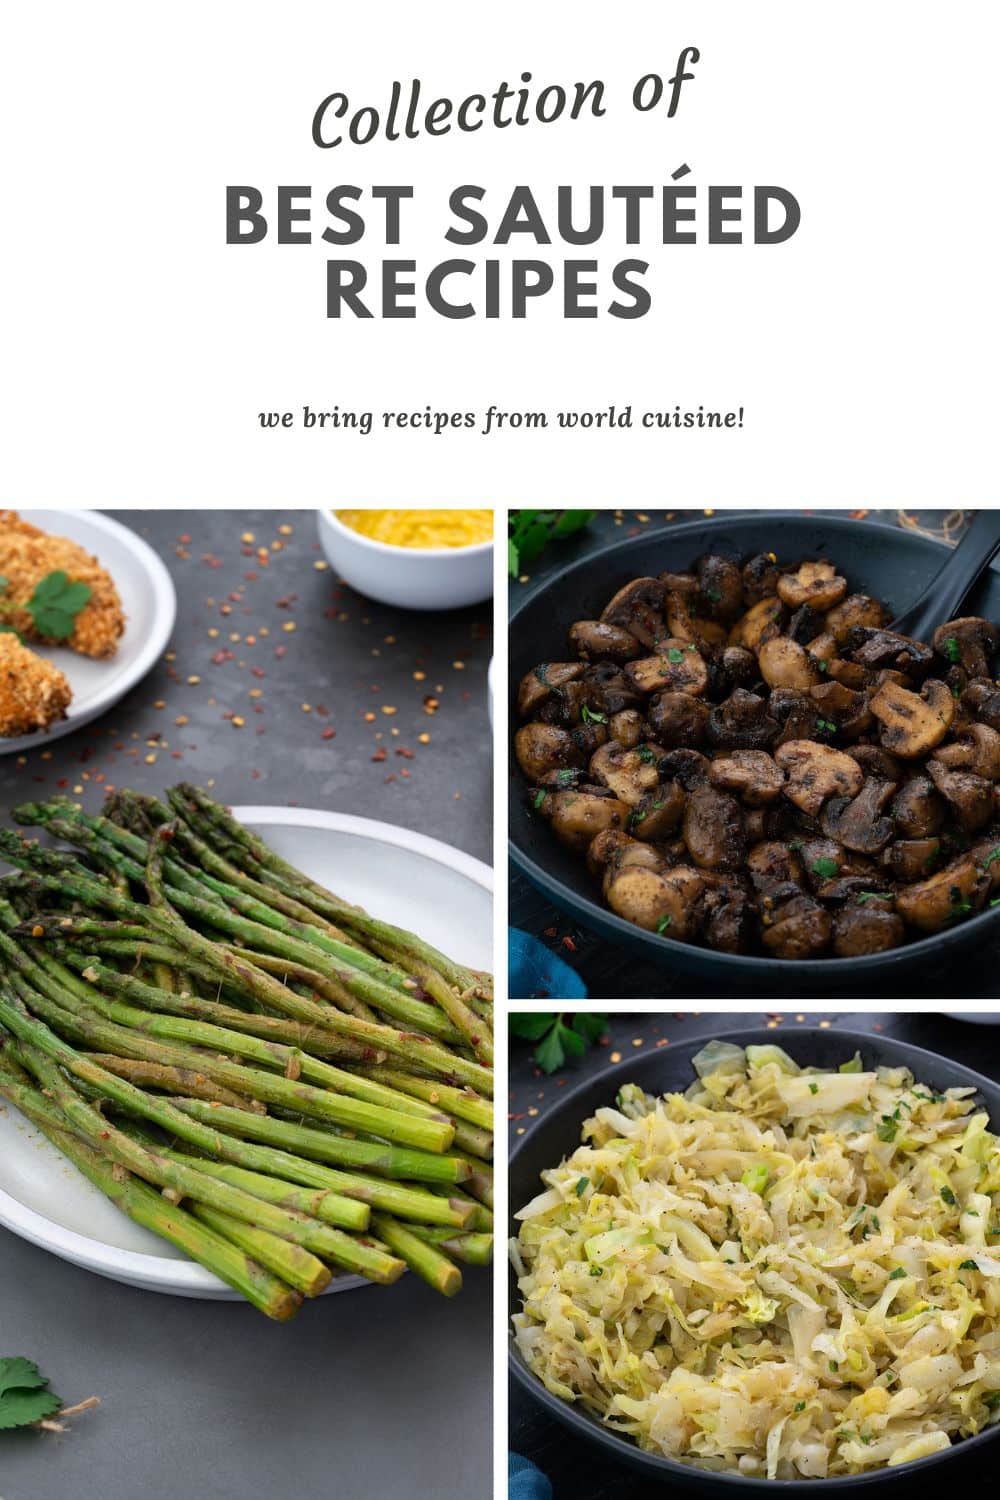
column 918, row 810
column 970, row 797
column 677, row 667
column 816, row 772
column 628, row 773
column 742, row 722
column 638, row 608
column 713, row 829
column 720, row 587
column 846, row 710
column 798, row 928
column 785, row 664
column 627, row 727
column 982, row 699
column 606, row 688
column 823, row 861
column 971, row 641
column 913, row 724
column 770, row 822
column 740, row 666
column 659, row 813
column 796, row 713
column 541, row 748
column 689, row 767
column 987, row 856
column 599, row 641
column 912, row 859
column 952, row 893
column 879, row 649
column 815, row 583
column 772, row 863
column 762, row 622
column 875, row 761
column 857, row 822
column 666, row 902
column 677, row 719
column 537, row 684
column 577, row 817
column 728, row 920
column 855, row 610
column 977, row 750
column 759, row 577
column 805, row 625
column 872, row 927
column 607, row 845
column 751, row 774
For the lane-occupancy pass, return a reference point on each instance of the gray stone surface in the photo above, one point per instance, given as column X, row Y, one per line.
column 379, row 1392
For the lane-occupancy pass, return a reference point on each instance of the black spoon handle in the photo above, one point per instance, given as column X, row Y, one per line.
column 943, row 596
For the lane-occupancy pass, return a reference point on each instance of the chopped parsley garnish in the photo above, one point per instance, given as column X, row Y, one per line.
column 951, row 648
column 825, row 867
column 581, row 1185
column 887, row 1128
column 674, row 655
column 814, row 1088
column 897, row 1274
column 968, row 1265
column 538, row 798
column 588, row 716
column 949, row 1196
column 664, row 923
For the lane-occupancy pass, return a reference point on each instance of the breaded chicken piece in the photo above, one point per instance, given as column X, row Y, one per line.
column 33, row 692
column 28, row 555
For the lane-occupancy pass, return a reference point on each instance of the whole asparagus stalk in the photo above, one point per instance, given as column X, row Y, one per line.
column 473, row 1249
column 427, row 1260
column 299, row 1268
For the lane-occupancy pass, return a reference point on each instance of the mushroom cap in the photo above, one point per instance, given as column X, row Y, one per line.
column 977, row 749
column 741, row 722
column 751, row 774
column 913, row 724
column 969, row 796
column 815, row 583
column 677, row 719
column 668, row 902
column 676, row 667
column 598, row 640
column 930, row 904
column 785, row 664
column 816, row 772
column 970, row 640
column 542, row 680
column 761, row 622
column 856, row 822
column 713, row 829
column 638, row 608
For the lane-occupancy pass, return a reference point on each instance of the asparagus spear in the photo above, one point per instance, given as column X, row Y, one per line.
column 428, row 1262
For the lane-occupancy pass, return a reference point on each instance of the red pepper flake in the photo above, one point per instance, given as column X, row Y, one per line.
column 568, row 942
column 406, row 754
column 381, row 753
column 328, row 734
column 280, row 652
column 259, row 671
column 549, row 932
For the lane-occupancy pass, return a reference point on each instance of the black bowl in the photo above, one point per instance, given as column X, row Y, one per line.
column 893, row 565
column 669, row 1070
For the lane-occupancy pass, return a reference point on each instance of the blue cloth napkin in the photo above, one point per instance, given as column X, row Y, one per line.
column 535, row 970
column 524, row 1481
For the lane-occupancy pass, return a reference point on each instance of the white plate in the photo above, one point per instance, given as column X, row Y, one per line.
column 150, row 605
column 437, row 891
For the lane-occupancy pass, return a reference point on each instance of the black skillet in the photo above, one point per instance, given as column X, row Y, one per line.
column 669, row 1070
column 892, row 565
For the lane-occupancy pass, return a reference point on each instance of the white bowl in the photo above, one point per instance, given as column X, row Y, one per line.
column 410, row 577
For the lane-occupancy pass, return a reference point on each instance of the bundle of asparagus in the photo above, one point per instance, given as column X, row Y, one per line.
column 248, row 1065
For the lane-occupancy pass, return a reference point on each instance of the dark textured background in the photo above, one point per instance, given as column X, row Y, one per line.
column 578, row 1470
column 379, row 1392
column 611, row 972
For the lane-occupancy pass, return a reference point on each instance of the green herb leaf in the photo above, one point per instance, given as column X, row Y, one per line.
column 24, row 1395
column 800, row 1406
column 951, row 649
column 898, row 1274
column 713, row 594
column 814, row 1088
column 887, row 1129
column 949, row 1196
column 864, row 896
column 826, row 867
column 531, row 531
column 597, row 1270
column 674, row 655
column 646, row 754
column 664, row 923
column 591, row 1024
column 530, row 1025
column 588, row 716
column 549, row 1054
column 56, row 603
column 538, row 798
column 992, row 1400
column 968, row 1265
column 827, row 725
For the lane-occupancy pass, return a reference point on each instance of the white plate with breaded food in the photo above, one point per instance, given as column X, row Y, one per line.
column 115, row 627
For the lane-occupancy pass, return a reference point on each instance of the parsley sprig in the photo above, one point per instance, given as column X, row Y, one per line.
column 53, row 607
column 558, row 1036
column 25, row 1396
